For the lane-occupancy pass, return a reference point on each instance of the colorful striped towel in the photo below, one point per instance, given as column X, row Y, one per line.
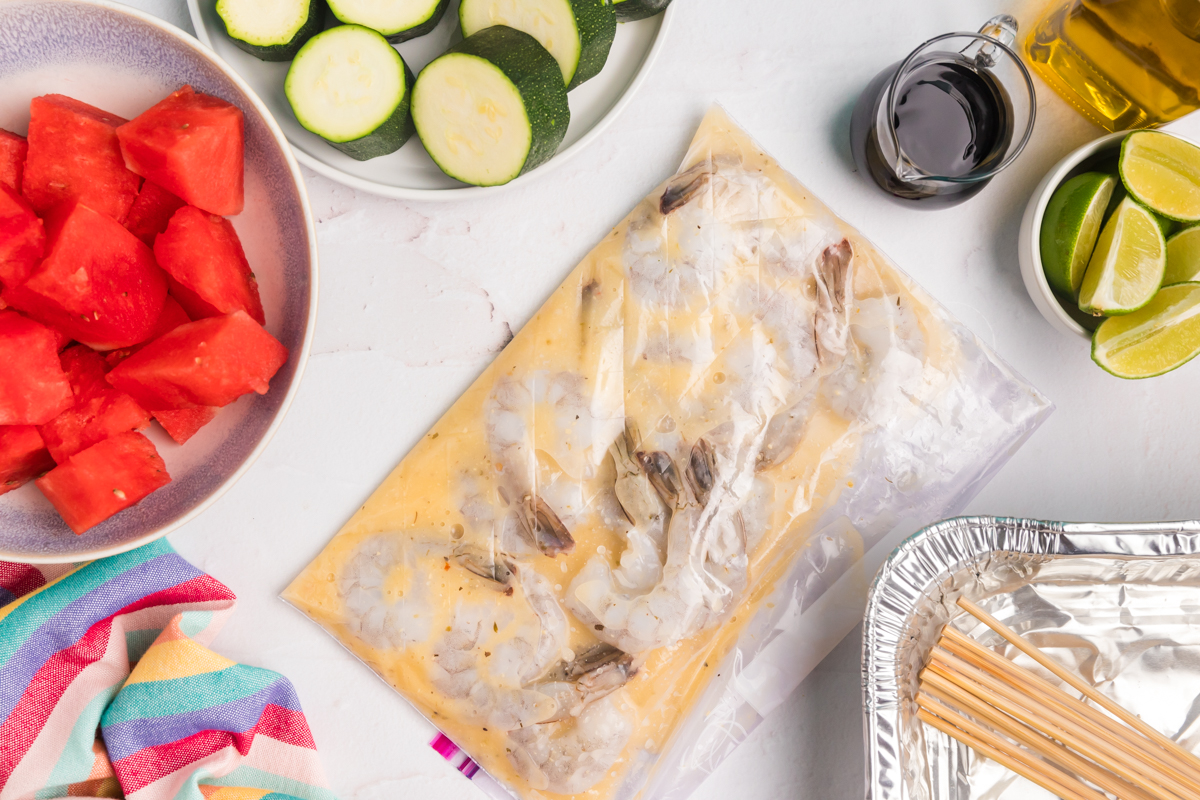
column 107, row 689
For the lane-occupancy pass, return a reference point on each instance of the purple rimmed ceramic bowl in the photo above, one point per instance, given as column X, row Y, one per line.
column 124, row 61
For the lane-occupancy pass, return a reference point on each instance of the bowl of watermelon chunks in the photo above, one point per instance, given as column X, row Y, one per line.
column 157, row 279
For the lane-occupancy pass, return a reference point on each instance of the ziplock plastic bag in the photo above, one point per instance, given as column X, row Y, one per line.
column 661, row 505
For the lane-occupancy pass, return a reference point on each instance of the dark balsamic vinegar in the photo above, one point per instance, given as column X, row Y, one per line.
column 950, row 121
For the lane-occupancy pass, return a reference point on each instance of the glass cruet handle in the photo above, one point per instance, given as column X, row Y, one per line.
column 1003, row 29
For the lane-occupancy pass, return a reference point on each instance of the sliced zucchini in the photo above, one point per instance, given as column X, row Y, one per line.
column 578, row 33
column 271, row 30
column 398, row 20
column 351, row 88
column 630, row 10
column 492, row 107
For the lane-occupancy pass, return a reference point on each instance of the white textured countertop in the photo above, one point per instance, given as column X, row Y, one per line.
column 416, row 298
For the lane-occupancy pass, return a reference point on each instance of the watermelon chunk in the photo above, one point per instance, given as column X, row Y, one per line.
column 184, row 423
column 33, row 387
column 191, row 145
column 105, row 478
column 85, row 370
column 74, row 155
column 210, row 362
column 12, row 159
column 206, row 266
column 90, row 422
column 99, row 283
column 151, row 211
column 172, row 317
column 22, row 238
column 23, row 456
column 99, row 410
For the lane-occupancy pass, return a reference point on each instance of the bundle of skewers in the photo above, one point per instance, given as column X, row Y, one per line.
column 1075, row 749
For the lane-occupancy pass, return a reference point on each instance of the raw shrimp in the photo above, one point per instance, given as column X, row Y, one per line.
column 643, row 507
column 572, row 749
column 827, row 350
column 676, row 250
column 703, row 577
column 505, row 631
column 487, row 670
column 383, row 615
column 547, row 438
column 571, row 755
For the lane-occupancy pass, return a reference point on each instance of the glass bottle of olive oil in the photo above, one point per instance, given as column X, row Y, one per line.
column 1122, row 63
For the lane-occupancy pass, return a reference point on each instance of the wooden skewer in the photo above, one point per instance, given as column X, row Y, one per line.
column 1077, row 683
column 1126, row 741
column 1035, row 740
column 1004, row 753
column 980, row 656
column 935, row 680
column 1016, row 703
column 1058, row 755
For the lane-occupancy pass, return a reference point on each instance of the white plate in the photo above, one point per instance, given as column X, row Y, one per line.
column 409, row 173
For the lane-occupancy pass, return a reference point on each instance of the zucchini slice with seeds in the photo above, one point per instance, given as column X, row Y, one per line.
column 351, row 88
column 578, row 33
column 271, row 30
column 630, row 10
column 492, row 107
column 398, row 20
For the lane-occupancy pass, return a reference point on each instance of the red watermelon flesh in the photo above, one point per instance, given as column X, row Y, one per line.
column 74, row 155
column 191, row 145
column 210, row 362
column 151, row 211
column 22, row 238
column 172, row 317
column 99, row 283
column 99, row 410
column 33, row 387
column 12, row 158
column 184, row 423
column 23, row 456
column 107, row 477
column 91, row 421
column 85, row 370
column 61, row 340
column 206, row 266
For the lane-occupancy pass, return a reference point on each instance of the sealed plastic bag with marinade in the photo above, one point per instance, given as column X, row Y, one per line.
column 630, row 537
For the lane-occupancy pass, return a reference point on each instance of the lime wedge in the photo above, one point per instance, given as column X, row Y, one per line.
column 1127, row 265
column 1162, row 173
column 1070, row 227
column 1183, row 257
column 1155, row 339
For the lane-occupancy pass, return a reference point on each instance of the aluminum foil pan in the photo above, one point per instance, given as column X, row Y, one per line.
column 1120, row 604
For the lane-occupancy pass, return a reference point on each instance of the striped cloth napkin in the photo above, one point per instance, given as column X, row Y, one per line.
column 107, row 689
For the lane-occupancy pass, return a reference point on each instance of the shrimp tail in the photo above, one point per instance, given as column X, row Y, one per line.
column 547, row 531
column 684, row 187
column 701, row 469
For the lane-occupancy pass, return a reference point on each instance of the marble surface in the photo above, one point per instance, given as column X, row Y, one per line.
column 417, row 298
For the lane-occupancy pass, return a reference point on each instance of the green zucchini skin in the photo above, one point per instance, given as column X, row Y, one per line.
column 410, row 33
column 632, row 10
column 286, row 51
column 538, row 78
column 391, row 135
column 597, row 23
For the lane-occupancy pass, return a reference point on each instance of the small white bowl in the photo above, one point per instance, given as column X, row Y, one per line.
column 1029, row 248
column 124, row 61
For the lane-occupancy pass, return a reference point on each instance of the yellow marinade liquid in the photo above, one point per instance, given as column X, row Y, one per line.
column 1122, row 63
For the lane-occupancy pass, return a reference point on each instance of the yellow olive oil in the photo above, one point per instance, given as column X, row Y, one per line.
column 1122, row 63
